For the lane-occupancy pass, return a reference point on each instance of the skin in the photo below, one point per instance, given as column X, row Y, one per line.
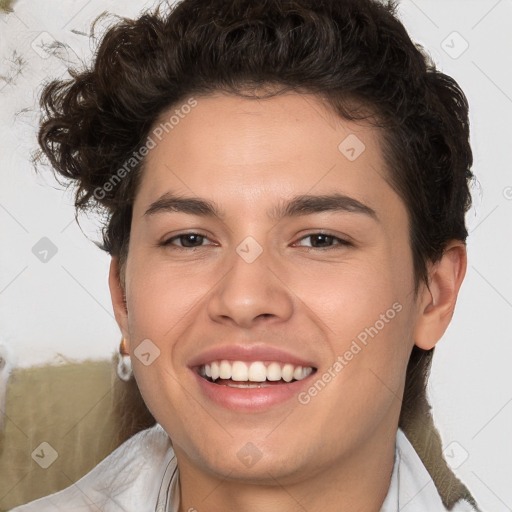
column 248, row 156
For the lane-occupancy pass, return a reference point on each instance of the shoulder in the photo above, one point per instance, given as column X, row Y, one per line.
column 127, row 480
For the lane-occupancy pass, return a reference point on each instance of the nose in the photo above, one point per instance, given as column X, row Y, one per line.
column 251, row 293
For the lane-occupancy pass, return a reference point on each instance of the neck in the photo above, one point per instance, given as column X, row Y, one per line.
column 359, row 482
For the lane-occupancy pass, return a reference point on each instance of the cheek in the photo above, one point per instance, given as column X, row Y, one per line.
column 161, row 299
column 160, row 307
column 355, row 298
column 368, row 317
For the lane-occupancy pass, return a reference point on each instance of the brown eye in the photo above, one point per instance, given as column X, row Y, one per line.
column 192, row 240
column 323, row 241
column 189, row 240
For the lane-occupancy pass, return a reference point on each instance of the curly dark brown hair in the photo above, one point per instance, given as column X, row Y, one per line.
column 356, row 54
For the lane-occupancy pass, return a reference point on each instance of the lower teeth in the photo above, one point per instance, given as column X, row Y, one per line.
column 254, row 385
column 245, row 385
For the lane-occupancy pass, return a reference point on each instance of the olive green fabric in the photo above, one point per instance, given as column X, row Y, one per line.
column 70, row 407
column 6, row 5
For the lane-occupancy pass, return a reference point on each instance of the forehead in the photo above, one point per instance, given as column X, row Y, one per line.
column 252, row 151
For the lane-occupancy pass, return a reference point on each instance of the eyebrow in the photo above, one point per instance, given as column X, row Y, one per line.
column 297, row 206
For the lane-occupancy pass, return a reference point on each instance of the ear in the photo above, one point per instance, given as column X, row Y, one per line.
column 437, row 301
column 118, row 298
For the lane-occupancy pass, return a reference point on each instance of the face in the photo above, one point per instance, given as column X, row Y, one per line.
column 268, row 252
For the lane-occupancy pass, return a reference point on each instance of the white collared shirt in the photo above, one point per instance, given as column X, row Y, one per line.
column 142, row 476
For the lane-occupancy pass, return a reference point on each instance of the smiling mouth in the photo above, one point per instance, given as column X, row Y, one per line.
column 256, row 374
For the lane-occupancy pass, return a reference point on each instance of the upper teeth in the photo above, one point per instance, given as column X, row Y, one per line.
column 256, row 371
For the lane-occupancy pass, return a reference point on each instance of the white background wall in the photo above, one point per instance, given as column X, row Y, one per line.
column 60, row 309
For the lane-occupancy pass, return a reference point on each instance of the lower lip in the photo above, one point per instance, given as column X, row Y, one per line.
column 251, row 399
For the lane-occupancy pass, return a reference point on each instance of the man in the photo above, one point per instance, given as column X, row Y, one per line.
column 285, row 184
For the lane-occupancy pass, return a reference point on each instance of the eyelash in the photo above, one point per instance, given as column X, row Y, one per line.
column 340, row 242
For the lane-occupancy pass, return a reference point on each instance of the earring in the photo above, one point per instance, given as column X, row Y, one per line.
column 124, row 364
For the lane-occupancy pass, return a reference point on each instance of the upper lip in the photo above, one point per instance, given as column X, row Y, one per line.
column 248, row 353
